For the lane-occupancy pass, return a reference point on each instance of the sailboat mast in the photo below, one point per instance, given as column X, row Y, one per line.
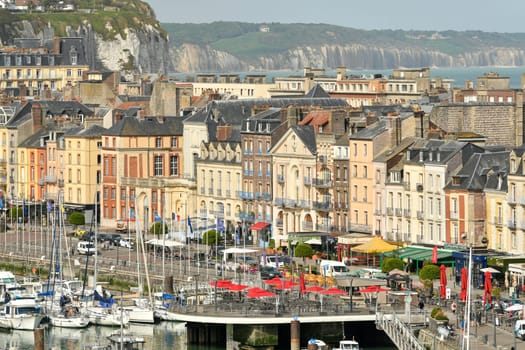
column 96, row 241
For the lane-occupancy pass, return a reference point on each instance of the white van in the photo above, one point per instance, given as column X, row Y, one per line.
column 86, row 248
column 332, row 268
column 276, row 261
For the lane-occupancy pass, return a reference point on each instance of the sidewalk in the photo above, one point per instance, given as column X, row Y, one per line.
column 483, row 333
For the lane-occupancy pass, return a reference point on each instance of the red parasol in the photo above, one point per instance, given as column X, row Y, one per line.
column 302, row 284
column 255, row 290
column 443, row 281
column 373, row 289
column 275, row 281
column 333, row 291
column 261, row 294
column 488, row 287
column 221, row 283
column 285, row 285
column 314, row 289
column 435, row 255
column 464, row 282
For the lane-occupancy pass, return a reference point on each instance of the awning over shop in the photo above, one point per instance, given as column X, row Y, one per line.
column 259, row 225
column 353, row 239
column 419, row 253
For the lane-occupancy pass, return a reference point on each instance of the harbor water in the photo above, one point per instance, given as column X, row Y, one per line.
column 162, row 336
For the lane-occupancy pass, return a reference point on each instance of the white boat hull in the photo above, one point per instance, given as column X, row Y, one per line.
column 140, row 315
column 107, row 317
column 69, row 322
column 165, row 315
column 20, row 322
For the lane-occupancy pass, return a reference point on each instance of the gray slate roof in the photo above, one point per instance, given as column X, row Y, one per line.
column 131, row 126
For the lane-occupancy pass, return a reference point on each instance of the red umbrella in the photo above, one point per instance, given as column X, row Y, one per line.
column 261, row 294
column 255, row 290
column 442, row 281
column 373, row 289
column 314, row 289
column 275, row 280
column 333, row 291
column 488, row 287
column 221, row 283
column 302, row 284
column 435, row 255
column 285, row 285
column 464, row 282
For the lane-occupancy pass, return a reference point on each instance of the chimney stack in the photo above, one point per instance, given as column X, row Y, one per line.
column 224, row 132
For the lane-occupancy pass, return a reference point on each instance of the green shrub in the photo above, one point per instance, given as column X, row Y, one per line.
column 429, row 272
column 156, row 228
column 390, row 264
column 303, row 250
column 77, row 218
column 211, row 238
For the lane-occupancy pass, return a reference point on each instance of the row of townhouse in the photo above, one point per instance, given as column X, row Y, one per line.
column 279, row 166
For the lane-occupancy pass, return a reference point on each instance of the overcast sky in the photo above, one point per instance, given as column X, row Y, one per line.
column 485, row 15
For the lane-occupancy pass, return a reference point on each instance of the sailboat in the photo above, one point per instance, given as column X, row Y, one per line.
column 66, row 314
column 102, row 310
column 142, row 309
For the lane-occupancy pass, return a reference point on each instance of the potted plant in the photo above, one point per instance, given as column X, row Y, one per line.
column 437, row 318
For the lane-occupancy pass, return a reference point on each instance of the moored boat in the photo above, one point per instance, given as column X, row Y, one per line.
column 21, row 314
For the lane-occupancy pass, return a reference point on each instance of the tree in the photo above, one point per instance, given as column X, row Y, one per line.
column 390, row 264
column 156, row 228
column 77, row 218
column 427, row 275
column 303, row 250
column 429, row 272
column 211, row 237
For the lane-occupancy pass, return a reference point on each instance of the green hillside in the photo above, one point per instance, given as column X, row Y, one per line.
column 244, row 40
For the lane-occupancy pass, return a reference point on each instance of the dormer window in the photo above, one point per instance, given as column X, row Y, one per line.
column 73, row 56
column 456, row 181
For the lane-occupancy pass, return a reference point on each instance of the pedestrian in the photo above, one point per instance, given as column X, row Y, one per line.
column 421, row 305
column 453, row 307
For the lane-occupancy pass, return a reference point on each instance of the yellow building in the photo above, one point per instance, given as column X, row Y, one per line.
column 81, row 166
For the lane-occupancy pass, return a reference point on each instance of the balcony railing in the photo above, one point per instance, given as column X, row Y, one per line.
column 420, row 215
column 308, row 226
column 246, row 195
column 498, row 220
column 454, row 215
column 399, row 212
column 279, row 223
column 51, row 179
column 228, row 193
column 323, row 227
column 389, row 211
column 60, row 183
column 407, row 213
column 322, row 182
column 360, row 228
column 280, row 178
column 307, row 180
column 322, row 206
column 210, row 191
column 511, row 224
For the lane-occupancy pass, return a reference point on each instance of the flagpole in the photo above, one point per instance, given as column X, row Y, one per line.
column 163, row 235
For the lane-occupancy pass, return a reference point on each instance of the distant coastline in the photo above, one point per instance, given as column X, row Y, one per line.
column 459, row 75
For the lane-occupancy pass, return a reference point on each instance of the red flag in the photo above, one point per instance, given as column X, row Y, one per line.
column 435, row 255
column 302, row 284
column 442, row 281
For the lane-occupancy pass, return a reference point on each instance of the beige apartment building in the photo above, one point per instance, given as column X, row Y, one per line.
column 294, row 159
column 219, row 184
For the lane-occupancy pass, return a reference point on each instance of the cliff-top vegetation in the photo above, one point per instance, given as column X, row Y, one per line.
column 106, row 17
column 246, row 40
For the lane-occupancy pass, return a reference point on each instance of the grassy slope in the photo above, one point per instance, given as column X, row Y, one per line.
column 128, row 14
column 244, row 39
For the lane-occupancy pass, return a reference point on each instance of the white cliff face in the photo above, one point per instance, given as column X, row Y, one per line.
column 116, row 53
column 194, row 58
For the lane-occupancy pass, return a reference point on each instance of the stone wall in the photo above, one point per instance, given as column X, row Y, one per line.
column 500, row 123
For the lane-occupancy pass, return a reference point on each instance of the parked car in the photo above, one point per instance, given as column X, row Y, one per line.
column 86, row 248
column 127, row 243
column 269, row 272
column 88, row 236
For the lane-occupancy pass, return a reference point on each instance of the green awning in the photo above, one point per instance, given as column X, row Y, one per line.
column 419, row 253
